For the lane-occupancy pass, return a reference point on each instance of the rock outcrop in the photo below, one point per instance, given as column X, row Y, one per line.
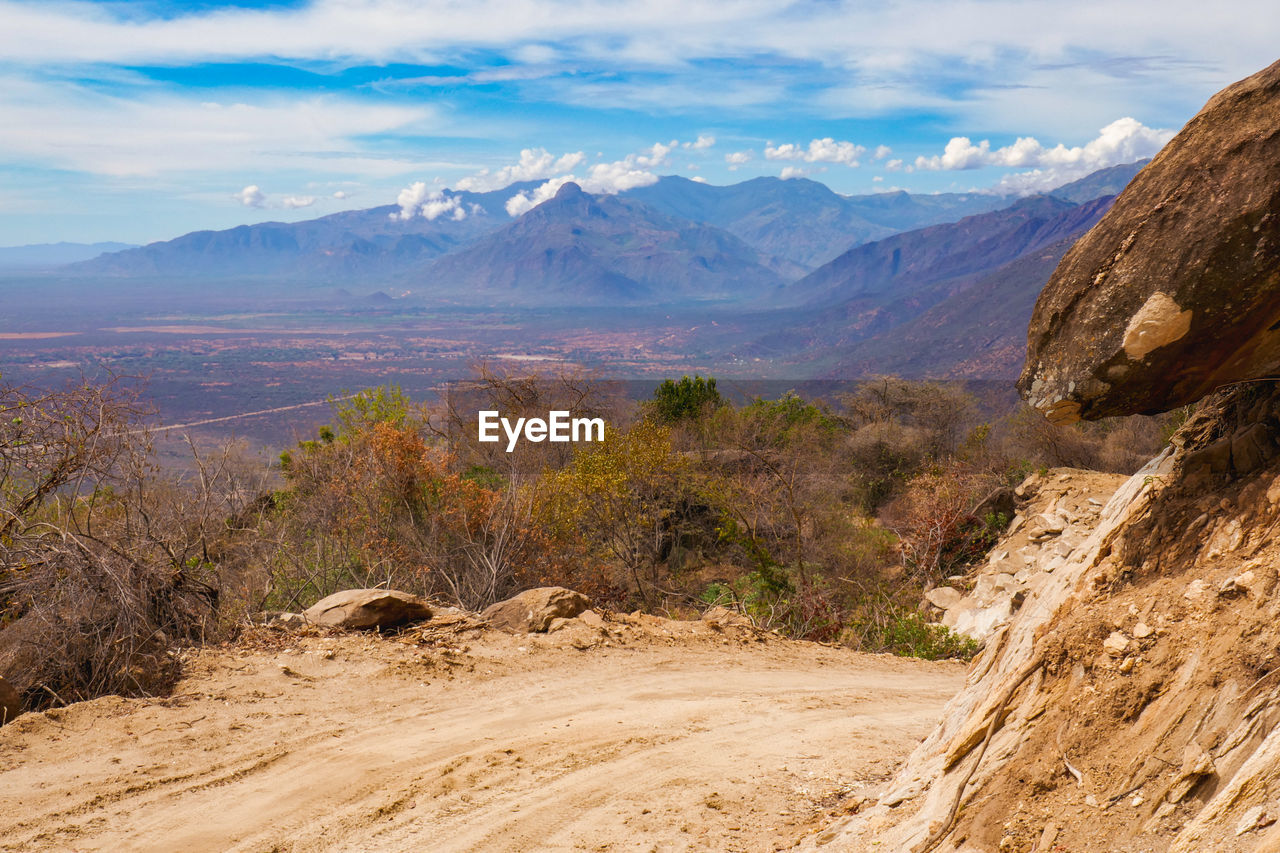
column 1055, row 512
column 533, row 610
column 368, row 608
column 1133, row 701
column 1176, row 292
column 10, row 702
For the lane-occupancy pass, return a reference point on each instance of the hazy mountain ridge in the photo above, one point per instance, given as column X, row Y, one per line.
column 946, row 300
column 584, row 249
column 55, row 254
column 788, row 226
column 803, row 220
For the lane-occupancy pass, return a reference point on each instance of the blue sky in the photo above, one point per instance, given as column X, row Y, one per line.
column 139, row 121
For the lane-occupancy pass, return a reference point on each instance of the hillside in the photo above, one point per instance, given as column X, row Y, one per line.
column 949, row 300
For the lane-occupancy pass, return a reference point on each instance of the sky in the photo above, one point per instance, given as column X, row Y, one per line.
column 143, row 120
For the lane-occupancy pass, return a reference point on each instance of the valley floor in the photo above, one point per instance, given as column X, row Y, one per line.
column 645, row 735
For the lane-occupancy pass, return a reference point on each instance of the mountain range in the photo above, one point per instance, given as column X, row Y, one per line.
column 836, row 285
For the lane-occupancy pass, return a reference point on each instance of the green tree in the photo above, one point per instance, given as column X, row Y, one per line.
column 688, row 399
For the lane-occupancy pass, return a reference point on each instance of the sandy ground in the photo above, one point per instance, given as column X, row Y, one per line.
column 646, row 735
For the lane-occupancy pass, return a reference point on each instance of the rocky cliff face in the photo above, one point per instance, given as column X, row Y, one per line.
column 1176, row 291
column 1132, row 701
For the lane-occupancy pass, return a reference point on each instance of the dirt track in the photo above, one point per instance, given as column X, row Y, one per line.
column 655, row 736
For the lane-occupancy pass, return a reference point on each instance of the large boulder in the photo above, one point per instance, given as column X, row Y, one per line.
column 368, row 608
column 1176, row 291
column 533, row 609
column 10, row 702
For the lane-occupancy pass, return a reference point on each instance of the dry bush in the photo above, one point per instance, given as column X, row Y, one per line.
column 933, row 519
column 106, row 563
column 372, row 503
column 515, row 395
column 1115, row 445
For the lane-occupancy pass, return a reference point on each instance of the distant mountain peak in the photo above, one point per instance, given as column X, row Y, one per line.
column 569, row 190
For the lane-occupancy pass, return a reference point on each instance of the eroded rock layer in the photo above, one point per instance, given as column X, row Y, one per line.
column 1176, row 292
column 1133, row 702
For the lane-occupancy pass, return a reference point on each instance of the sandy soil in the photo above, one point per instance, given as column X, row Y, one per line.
column 646, row 735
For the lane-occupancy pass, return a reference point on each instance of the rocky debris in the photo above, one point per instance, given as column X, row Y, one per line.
column 1196, row 765
column 720, row 618
column 1258, row 817
column 368, row 608
column 1174, row 293
column 1057, row 511
column 1116, row 644
column 944, row 597
column 280, row 620
column 533, row 610
column 10, row 702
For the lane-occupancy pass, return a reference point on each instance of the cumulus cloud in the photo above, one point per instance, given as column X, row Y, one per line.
column 654, row 156
column 1122, row 141
column 738, row 158
column 521, row 203
column 431, row 203
column 535, row 164
column 340, row 194
column 294, row 202
column 698, row 179
column 702, row 143
column 602, row 178
column 251, row 196
column 882, row 151
column 792, row 172
column 825, row 150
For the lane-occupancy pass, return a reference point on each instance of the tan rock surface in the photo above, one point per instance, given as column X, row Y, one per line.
column 534, row 610
column 1176, row 291
column 367, row 608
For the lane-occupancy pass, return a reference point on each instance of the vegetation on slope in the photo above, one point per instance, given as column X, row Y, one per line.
column 821, row 519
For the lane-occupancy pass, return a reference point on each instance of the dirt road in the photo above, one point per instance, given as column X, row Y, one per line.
column 654, row 735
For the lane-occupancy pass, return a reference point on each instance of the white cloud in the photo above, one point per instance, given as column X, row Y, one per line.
column 738, row 158
column 431, row 203
column 698, row 179
column 521, row 203
column 886, row 39
column 535, row 164
column 84, row 130
column 1122, row 141
column 294, row 202
column 793, row 172
column 882, row 151
column 340, row 194
column 601, row 178
column 251, row 196
column 826, row 150
column 702, row 143
column 654, row 156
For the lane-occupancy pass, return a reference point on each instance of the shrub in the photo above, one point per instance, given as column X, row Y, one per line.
column 105, row 562
column 376, row 505
column 902, row 631
column 687, row 399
